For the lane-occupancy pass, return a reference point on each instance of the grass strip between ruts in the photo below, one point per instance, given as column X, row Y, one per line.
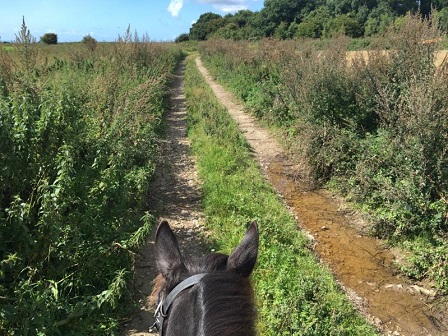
column 295, row 294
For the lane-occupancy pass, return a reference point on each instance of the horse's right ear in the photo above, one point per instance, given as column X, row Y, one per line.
column 243, row 258
column 168, row 255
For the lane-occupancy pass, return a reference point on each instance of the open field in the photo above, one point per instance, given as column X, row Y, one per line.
column 440, row 56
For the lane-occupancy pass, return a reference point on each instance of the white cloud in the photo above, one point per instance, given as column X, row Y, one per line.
column 175, row 6
column 227, row 6
column 230, row 8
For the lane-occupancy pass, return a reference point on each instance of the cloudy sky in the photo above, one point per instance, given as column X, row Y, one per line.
column 105, row 20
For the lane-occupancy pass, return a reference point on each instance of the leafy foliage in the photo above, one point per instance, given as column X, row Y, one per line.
column 182, row 38
column 305, row 18
column 205, row 25
column 90, row 42
column 374, row 127
column 49, row 38
column 78, row 146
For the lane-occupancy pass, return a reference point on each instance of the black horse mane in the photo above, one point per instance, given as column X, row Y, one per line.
column 227, row 298
column 207, row 264
column 227, row 304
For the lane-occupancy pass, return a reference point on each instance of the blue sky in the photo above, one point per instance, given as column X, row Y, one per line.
column 105, row 20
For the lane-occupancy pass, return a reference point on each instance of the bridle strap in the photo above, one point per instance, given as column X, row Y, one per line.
column 164, row 305
column 187, row 283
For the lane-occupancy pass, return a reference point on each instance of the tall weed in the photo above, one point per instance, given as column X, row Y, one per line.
column 78, row 145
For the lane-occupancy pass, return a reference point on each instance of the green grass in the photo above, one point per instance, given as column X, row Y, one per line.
column 295, row 294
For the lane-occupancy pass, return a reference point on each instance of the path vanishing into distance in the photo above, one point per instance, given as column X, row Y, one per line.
column 176, row 197
column 363, row 266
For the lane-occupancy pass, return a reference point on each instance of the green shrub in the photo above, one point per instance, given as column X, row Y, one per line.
column 89, row 42
column 49, row 38
column 375, row 128
column 78, row 146
column 182, row 38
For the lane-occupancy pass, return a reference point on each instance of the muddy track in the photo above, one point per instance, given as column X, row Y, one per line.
column 363, row 266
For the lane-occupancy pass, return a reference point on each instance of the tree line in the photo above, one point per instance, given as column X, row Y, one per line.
column 285, row 19
column 52, row 38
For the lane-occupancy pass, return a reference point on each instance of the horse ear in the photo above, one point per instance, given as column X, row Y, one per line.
column 168, row 255
column 243, row 258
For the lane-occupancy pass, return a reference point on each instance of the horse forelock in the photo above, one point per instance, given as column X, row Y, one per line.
column 221, row 304
column 228, row 305
column 211, row 263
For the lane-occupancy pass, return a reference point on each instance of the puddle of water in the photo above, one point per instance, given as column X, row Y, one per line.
column 361, row 264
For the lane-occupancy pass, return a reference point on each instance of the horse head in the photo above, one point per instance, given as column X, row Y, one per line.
column 209, row 295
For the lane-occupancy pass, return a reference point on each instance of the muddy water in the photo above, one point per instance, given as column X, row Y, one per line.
column 361, row 264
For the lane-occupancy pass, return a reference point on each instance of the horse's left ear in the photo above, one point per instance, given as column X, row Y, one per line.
column 243, row 258
column 168, row 256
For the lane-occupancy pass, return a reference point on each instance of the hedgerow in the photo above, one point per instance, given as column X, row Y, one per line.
column 78, row 146
column 373, row 128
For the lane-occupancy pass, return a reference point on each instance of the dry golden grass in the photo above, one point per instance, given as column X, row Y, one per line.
column 440, row 56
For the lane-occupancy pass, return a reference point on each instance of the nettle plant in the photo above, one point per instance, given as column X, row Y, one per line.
column 78, row 146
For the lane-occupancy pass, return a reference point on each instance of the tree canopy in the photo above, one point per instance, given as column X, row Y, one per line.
column 49, row 38
column 206, row 25
column 314, row 18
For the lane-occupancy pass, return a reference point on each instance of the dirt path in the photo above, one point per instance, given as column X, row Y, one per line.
column 363, row 265
column 175, row 196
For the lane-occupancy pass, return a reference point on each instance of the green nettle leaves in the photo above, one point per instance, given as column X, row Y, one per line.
column 78, row 142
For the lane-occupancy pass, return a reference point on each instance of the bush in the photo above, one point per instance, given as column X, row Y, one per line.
column 182, row 38
column 376, row 128
column 442, row 19
column 313, row 25
column 78, row 146
column 343, row 24
column 89, row 42
column 49, row 38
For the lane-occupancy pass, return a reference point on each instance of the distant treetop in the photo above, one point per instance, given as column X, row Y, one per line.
column 49, row 38
column 313, row 18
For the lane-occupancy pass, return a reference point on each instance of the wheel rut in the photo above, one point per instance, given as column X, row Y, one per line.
column 175, row 196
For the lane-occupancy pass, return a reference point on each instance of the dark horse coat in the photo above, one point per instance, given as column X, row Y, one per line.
column 221, row 301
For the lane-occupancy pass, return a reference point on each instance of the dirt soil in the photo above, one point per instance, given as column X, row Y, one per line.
column 174, row 195
column 363, row 266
